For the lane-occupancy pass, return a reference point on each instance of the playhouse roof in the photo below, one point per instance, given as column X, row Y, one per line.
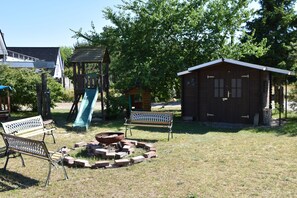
column 239, row 63
column 89, row 55
column 2, row 87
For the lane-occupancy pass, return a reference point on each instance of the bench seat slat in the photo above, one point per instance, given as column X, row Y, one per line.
column 148, row 125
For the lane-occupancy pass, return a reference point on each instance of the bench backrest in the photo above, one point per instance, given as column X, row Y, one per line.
column 23, row 125
column 151, row 117
column 26, row 146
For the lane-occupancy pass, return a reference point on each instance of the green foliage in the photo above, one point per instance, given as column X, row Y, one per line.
column 68, row 96
column 293, row 97
column 117, row 105
column 66, row 53
column 23, row 82
column 277, row 23
column 69, row 73
column 153, row 40
column 56, row 90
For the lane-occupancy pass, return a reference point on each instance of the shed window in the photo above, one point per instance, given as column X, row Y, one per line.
column 137, row 98
column 236, row 88
column 218, row 88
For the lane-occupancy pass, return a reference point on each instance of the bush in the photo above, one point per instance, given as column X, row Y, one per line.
column 68, row 95
column 293, row 97
column 23, row 82
column 117, row 106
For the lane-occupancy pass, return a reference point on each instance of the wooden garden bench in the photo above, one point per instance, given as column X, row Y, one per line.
column 150, row 119
column 18, row 145
column 28, row 127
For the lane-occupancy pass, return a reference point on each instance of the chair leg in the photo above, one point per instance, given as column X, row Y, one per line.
column 7, row 158
column 65, row 173
column 130, row 131
column 49, row 174
column 43, row 136
column 126, row 131
column 170, row 132
column 53, row 137
column 23, row 162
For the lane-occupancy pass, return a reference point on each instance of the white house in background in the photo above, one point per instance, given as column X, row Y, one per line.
column 3, row 50
column 47, row 58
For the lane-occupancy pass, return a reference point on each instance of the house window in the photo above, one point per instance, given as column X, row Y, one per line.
column 218, row 88
column 236, row 88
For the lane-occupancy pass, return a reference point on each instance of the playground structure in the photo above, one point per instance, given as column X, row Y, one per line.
column 4, row 102
column 90, row 77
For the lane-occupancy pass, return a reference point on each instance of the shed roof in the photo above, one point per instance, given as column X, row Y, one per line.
column 89, row 55
column 239, row 63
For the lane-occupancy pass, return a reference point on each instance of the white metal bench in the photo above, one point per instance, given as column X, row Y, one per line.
column 150, row 119
column 28, row 127
column 35, row 148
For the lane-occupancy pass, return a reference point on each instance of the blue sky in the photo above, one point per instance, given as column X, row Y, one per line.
column 47, row 23
column 40, row 23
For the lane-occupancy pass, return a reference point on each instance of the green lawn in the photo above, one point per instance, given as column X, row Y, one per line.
column 200, row 161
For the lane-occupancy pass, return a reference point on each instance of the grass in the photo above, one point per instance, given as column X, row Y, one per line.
column 200, row 161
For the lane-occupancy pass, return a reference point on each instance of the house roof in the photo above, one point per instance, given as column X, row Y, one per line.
column 42, row 53
column 239, row 63
column 89, row 55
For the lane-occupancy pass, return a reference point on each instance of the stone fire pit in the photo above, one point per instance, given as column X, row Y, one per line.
column 109, row 137
column 113, row 151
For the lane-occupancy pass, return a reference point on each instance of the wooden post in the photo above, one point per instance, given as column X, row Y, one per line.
column 8, row 101
column 39, row 99
column 270, row 91
column 45, row 95
column 101, row 90
column 280, row 105
column 107, row 86
column 286, row 98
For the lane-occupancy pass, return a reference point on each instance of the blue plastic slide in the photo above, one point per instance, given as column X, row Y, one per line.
column 85, row 111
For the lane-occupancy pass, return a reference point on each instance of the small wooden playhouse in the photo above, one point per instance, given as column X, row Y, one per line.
column 139, row 99
column 229, row 91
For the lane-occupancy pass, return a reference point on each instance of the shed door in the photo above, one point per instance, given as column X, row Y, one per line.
column 228, row 97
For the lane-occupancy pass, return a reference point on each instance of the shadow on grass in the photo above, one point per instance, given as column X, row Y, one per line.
column 11, row 181
column 289, row 128
column 179, row 126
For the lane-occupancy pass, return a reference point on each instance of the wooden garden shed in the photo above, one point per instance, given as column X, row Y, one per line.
column 229, row 91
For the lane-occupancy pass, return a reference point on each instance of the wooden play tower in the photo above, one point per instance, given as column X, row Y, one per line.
column 90, row 70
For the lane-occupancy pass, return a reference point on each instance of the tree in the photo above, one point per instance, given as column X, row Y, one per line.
column 153, row 40
column 66, row 53
column 277, row 23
